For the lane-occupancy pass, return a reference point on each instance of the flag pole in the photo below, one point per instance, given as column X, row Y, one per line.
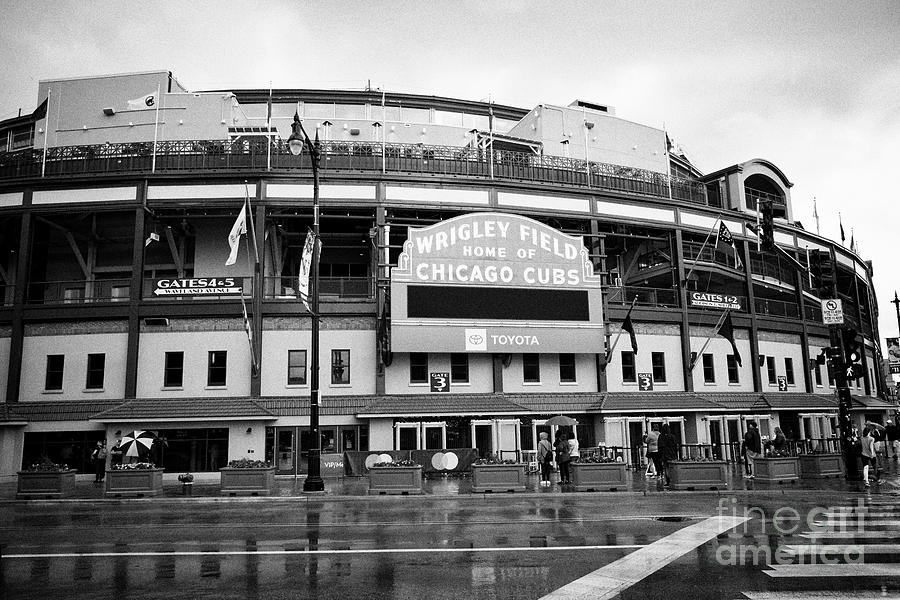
column 491, row 136
column 155, row 131
column 715, row 332
column 46, row 132
column 269, row 139
column 383, row 129
column 616, row 341
column 718, row 218
column 808, row 269
column 252, row 226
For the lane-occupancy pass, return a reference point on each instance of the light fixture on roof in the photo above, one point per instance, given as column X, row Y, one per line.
column 109, row 111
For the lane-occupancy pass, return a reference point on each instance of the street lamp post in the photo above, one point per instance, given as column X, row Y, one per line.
column 296, row 143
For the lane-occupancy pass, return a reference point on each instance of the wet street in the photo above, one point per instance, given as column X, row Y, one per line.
column 503, row 546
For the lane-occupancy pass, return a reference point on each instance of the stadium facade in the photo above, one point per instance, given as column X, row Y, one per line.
column 478, row 262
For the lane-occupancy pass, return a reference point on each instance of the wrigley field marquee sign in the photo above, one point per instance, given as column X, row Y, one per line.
column 492, row 282
column 199, row 286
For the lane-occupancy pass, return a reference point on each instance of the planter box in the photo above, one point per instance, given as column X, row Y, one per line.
column 134, row 482
column 776, row 469
column 821, row 465
column 595, row 477
column 691, row 475
column 498, row 478
column 45, row 484
column 250, row 482
column 395, row 480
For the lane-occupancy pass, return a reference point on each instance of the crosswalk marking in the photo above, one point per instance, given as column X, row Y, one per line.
column 845, row 535
column 833, row 550
column 817, row 595
column 820, row 570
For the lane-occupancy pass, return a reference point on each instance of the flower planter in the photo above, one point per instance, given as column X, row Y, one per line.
column 776, row 469
column 821, row 465
column 498, row 478
column 692, row 475
column 395, row 480
column 250, row 482
column 45, row 484
column 595, row 477
column 133, row 482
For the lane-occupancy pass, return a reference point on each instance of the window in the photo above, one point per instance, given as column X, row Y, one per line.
column 459, row 367
column 817, row 373
column 340, row 367
column 531, row 368
column 217, row 370
column 789, row 370
column 296, row 367
column 174, row 369
column 733, row 373
column 629, row 372
column 96, row 364
column 709, row 369
column 770, row 365
column 658, row 359
column 567, row 368
column 55, row 366
column 830, row 376
column 418, row 367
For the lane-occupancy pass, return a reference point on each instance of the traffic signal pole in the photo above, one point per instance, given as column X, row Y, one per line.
column 839, row 365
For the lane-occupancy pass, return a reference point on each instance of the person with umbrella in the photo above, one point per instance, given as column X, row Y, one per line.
column 135, row 443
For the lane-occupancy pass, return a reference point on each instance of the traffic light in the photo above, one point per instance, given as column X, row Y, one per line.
column 852, row 353
column 767, row 233
column 826, row 275
column 815, row 269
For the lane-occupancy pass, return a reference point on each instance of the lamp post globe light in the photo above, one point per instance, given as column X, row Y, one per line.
column 296, row 143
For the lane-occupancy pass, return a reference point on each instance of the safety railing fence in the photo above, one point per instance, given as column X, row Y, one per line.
column 285, row 287
column 828, row 445
column 78, row 291
column 776, row 308
column 658, row 297
column 244, row 154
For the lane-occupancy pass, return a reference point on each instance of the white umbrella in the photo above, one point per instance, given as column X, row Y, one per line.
column 135, row 442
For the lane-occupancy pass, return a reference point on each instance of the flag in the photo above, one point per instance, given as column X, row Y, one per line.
column 249, row 329
column 384, row 331
column 852, row 242
column 144, row 102
column 41, row 111
column 306, row 266
column 727, row 239
column 628, row 326
column 153, row 237
column 726, row 330
column 841, row 224
column 234, row 237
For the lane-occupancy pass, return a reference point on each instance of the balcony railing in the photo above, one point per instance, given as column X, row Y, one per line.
column 659, row 297
column 217, row 155
column 285, row 288
column 776, row 308
column 79, row 292
column 754, row 196
column 710, row 254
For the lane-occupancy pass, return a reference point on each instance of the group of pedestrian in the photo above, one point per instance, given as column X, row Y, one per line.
column 99, row 457
column 564, row 451
column 662, row 448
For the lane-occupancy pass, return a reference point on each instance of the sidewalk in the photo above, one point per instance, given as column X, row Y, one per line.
column 451, row 486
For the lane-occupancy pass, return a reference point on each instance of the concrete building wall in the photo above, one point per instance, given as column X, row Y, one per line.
column 781, row 346
column 75, row 349
column 585, row 373
column 480, row 375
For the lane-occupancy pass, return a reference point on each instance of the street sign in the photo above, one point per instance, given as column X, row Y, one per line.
column 645, row 382
column 440, row 382
column 832, row 312
column 198, row 286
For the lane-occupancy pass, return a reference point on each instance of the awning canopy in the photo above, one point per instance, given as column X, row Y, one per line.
column 184, row 409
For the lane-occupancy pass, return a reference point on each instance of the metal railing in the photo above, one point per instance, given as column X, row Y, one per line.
column 285, row 287
column 221, row 155
column 776, row 308
column 754, row 196
column 79, row 292
column 709, row 254
column 658, row 297
column 819, row 446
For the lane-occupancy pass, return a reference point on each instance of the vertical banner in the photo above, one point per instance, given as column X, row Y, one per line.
column 893, row 353
column 306, row 267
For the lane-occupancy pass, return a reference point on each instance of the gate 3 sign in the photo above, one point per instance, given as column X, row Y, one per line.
column 199, row 286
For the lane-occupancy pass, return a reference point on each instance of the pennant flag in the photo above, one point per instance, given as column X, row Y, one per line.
column 234, row 236
column 41, row 111
column 726, row 330
column 248, row 327
column 384, row 332
column 852, row 242
column 725, row 238
column 144, row 102
column 841, row 224
column 628, row 326
column 153, row 237
column 306, row 266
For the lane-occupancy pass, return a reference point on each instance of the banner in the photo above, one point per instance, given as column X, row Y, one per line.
column 306, row 267
column 893, row 354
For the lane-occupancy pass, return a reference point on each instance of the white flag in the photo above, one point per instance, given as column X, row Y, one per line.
column 153, row 237
column 144, row 102
column 306, row 267
column 234, row 237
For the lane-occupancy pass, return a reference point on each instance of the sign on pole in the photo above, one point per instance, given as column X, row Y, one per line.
column 832, row 312
column 893, row 351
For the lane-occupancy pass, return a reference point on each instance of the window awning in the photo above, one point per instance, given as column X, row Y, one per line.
column 185, row 409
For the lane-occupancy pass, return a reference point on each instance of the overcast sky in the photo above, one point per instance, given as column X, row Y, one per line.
column 814, row 87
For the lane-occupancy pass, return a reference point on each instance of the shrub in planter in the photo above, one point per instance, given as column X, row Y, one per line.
column 401, row 477
column 494, row 475
column 821, row 465
column 776, row 469
column 597, row 472
column 134, row 479
column 250, row 477
column 45, row 480
column 700, row 473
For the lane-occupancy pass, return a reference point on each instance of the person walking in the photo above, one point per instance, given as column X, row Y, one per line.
column 574, row 450
column 98, row 456
column 868, row 454
column 892, row 441
column 562, row 456
column 668, row 450
column 752, row 446
column 545, row 458
column 652, row 440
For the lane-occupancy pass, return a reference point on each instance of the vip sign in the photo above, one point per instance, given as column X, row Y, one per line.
column 493, row 282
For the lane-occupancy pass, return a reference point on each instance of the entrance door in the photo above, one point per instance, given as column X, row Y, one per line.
column 484, row 439
column 715, row 438
column 285, row 452
column 733, row 439
column 636, row 443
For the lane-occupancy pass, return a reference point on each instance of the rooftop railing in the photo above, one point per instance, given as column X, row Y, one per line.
column 244, row 154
